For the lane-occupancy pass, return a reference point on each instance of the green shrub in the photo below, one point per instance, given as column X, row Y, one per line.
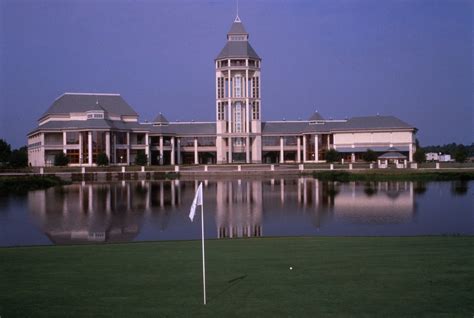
column 19, row 158
column 419, row 156
column 102, row 159
column 460, row 154
column 141, row 159
column 61, row 160
column 333, row 155
column 369, row 156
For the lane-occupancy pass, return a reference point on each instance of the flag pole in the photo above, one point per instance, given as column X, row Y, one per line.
column 203, row 256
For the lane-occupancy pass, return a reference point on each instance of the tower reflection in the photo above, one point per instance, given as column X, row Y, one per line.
column 116, row 212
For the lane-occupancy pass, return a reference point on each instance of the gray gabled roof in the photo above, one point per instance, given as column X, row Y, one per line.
column 80, row 102
column 160, row 119
column 237, row 49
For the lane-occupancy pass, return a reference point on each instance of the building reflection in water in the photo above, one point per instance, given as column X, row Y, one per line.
column 115, row 212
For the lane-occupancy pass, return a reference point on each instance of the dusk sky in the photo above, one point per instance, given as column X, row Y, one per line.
column 411, row 59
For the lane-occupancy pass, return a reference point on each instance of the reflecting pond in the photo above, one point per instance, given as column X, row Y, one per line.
column 158, row 210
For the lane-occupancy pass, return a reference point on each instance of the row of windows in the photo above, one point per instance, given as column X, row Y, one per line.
column 95, row 116
column 238, row 84
column 225, row 63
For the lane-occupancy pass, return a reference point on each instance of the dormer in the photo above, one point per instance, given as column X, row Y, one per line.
column 160, row 120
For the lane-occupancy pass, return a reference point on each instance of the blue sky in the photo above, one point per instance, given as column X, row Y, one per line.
column 408, row 58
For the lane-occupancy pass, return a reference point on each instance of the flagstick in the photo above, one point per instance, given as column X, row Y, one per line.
column 203, row 257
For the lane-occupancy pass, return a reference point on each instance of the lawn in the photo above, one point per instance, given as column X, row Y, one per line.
column 338, row 277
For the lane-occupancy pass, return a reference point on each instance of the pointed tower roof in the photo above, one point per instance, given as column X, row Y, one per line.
column 237, row 27
column 237, row 45
column 316, row 117
column 160, row 119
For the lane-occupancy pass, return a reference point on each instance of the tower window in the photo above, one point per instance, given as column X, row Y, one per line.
column 255, row 87
column 220, row 87
column 256, row 111
column 238, row 117
column 238, row 86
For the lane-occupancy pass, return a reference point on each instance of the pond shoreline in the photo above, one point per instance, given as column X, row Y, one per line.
column 59, row 176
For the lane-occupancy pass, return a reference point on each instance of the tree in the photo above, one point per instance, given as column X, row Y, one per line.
column 60, row 159
column 333, row 155
column 5, row 151
column 419, row 156
column 19, row 158
column 141, row 159
column 370, row 156
column 460, row 154
column 102, row 159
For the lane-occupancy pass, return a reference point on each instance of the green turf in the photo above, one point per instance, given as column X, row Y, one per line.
column 335, row 277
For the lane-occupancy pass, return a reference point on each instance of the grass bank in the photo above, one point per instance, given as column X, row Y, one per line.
column 26, row 183
column 395, row 175
column 369, row 277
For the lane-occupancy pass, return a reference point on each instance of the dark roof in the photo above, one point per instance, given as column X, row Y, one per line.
column 160, row 119
column 90, row 124
column 237, row 27
column 282, row 127
column 79, row 103
column 316, row 117
column 193, row 128
column 373, row 148
column 355, row 123
column 374, row 122
column 392, row 155
column 237, row 49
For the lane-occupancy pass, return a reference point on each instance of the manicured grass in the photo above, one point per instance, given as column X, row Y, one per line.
column 395, row 175
column 336, row 277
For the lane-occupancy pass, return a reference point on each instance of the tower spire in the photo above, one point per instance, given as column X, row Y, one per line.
column 237, row 19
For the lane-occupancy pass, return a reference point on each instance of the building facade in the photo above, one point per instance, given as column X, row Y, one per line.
column 83, row 125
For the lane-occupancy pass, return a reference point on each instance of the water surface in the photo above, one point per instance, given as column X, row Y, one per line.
column 158, row 210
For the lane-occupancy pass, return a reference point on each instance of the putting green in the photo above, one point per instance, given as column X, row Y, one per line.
column 369, row 277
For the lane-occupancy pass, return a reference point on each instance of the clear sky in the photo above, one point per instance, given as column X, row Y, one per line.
column 409, row 58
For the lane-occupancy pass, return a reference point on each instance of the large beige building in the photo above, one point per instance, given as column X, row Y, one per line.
column 82, row 125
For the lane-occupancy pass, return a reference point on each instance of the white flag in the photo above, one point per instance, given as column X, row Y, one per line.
column 197, row 201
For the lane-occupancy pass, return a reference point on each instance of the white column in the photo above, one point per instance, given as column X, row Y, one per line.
column 161, row 150
column 229, row 102
column 128, row 148
column 179, row 150
column 410, row 152
column 172, row 151
column 230, row 150
column 89, row 147
column 316, row 148
column 329, row 139
column 298, row 149
column 81, row 158
column 196, row 158
column 147, row 148
column 107, row 144
column 64, row 142
column 247, row 149
column 247, row 107
column 353, row 157
column 282, row 156
column 114, row 154
column 304, row 148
